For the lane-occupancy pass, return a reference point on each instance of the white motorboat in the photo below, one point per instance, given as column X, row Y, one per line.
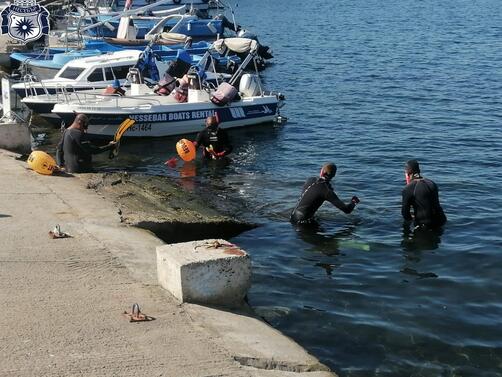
column 157, row 116
column 84, row 73
column 93, row 73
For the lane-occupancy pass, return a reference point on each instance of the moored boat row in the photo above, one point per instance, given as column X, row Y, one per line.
column 160, row 78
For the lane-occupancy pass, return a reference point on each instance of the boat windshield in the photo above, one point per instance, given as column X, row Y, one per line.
column 71, row 73
column 118, row 72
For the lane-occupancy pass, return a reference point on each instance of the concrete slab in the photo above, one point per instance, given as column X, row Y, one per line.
column 264, row 348
column 208, row 271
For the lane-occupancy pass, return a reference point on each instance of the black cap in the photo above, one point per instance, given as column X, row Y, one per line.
column 412, row 167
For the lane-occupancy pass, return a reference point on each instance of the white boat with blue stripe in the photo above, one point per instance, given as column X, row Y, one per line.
column 158, row 116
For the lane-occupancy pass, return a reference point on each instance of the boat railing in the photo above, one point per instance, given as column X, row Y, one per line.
column 208, row 61
column 30, row 87
column 159, row 26
column 84, row 98
column 73, row 27
column 61, row 93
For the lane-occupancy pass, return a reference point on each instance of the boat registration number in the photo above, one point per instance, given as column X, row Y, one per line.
column 142, row 127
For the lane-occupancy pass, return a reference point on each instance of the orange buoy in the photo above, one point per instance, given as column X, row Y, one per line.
column 186, row 150
column 41, row 162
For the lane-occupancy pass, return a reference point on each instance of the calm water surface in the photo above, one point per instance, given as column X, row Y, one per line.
column 369, row 85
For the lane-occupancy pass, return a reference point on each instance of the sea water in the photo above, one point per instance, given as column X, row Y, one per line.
column 370, row 84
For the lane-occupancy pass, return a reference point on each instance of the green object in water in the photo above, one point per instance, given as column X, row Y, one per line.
column 351, row 244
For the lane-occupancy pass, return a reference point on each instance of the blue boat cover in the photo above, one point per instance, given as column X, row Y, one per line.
column 146, row 63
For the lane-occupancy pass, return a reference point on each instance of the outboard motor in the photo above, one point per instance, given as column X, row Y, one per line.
column 177, row 69
column 264, row 52
column 249, row 85
column 201, row 13
column 227, row 24
column 165, row 85
column 243, row 33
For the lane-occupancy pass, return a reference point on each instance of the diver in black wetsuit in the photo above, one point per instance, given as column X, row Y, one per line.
column 315, row 192
column 75, row 150
column 214, row 140
column 422, row 195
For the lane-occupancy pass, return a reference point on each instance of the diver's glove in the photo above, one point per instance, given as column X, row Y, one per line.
column 355, row 200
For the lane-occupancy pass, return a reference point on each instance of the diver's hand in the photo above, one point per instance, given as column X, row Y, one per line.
column 212, row 153
column 355, row 200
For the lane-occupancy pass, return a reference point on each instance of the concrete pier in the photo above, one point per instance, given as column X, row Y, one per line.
column 63, row 299
column 15, row 136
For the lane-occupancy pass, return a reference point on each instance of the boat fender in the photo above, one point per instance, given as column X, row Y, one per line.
column 42, row 163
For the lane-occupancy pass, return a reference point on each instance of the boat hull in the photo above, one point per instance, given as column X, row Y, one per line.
column 175, row 119
column 40, row 107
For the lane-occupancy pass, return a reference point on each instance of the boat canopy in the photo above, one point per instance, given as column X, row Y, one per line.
column 238, row 45
column 173, row 38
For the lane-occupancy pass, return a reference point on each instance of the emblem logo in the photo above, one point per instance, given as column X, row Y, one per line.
column 266, row 110
column 25, row 20
column 237, row 112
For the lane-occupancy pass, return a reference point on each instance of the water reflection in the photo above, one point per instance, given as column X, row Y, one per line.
column 324, row 242
column 420, row 239
column 188, row 172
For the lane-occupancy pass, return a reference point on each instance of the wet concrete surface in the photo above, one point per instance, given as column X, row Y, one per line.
column 162, row 206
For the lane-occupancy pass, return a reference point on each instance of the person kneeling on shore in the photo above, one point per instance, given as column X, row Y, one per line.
column 422, row 195
column 214, row 140
column 74, row 151
column 315, row 192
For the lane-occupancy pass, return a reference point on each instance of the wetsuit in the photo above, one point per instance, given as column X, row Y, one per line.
column 77, row 151
column 422, row 194
column 218, row 139
column 315, row 192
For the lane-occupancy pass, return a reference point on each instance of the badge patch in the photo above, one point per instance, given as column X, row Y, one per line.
column 25, row 21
